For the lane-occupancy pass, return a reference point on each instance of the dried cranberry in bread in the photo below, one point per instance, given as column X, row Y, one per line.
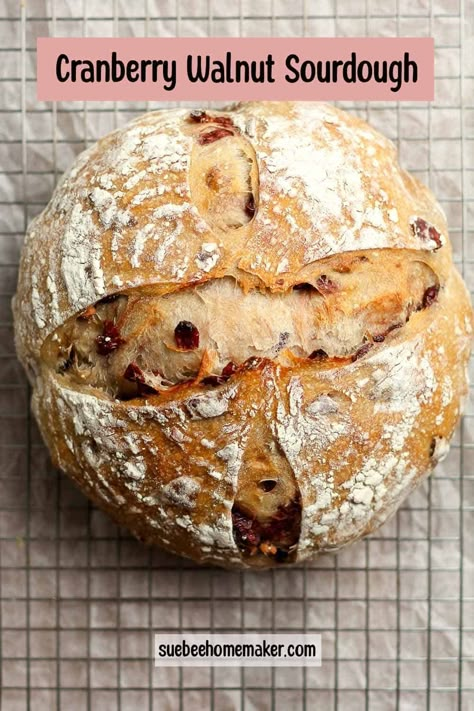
column 245, row 335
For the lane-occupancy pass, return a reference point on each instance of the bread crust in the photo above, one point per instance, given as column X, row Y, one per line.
column 354, row 435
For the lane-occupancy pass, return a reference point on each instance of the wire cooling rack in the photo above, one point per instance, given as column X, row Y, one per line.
column 80, row 599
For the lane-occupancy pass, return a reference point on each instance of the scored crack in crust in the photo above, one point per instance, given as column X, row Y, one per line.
column 246, row 338
column 197, row 331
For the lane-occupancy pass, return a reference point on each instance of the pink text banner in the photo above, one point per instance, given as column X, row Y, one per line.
column 227, row 69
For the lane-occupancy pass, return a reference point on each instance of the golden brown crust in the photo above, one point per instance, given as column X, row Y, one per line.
column 124, row 215
column 357, row 439
column 146, row 209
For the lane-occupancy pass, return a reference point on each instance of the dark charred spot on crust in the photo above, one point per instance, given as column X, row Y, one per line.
column 319, row 354
column 426, row 232
column 430, row 296
column 304, row 286
column 186, row 336
column 362, row 351
column 203, row 117
column 432, row 447
column 110, row 339
column 325, row 285
column 274, row 538
column 378, row 338
column 215, row 135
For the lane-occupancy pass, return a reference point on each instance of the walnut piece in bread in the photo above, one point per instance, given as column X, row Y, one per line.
column 244, row 331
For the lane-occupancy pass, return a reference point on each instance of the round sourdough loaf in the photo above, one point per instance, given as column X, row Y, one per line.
column 245, row 335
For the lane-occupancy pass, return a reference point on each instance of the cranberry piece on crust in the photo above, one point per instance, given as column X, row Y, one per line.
column 211, row 136
column 198, row 116
column 326, row 285
column 426, row 232
column 430, row 296
column 363, row 350
column 110, row 339
column 186, row 335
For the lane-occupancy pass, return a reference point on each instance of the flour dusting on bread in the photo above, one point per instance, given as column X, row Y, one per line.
column 244, row 331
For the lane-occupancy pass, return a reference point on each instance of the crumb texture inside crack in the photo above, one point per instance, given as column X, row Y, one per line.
column 339, row 309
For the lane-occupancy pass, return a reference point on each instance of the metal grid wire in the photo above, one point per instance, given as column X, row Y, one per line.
column 79, row 598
